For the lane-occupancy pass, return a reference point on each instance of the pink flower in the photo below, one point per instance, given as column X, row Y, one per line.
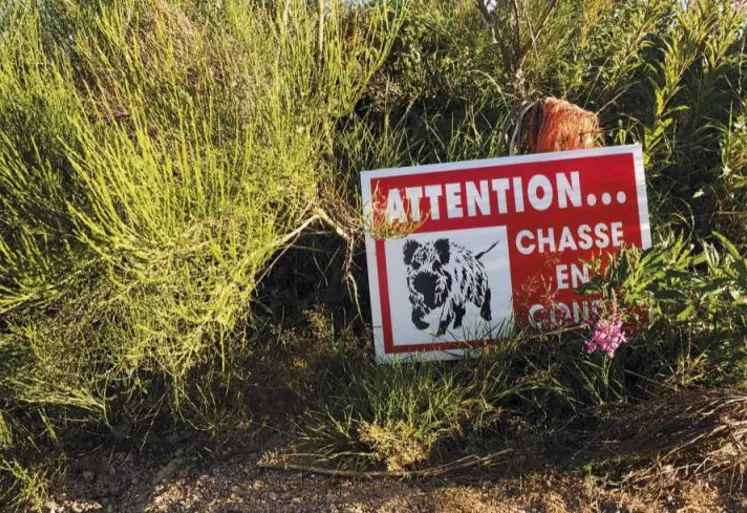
column 608, row 332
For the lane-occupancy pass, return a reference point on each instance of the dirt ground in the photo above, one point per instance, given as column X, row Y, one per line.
column 225, row 478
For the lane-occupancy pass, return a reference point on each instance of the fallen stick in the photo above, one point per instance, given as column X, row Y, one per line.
column 461, row 463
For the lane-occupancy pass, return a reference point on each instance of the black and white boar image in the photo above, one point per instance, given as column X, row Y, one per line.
column 442, row 278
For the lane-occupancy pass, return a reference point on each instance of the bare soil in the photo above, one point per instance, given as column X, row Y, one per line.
column 213, row 477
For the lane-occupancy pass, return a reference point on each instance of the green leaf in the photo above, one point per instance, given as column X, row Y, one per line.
column 686, row 313
column 728, row 245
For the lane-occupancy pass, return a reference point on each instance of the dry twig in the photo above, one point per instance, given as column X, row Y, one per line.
column 439, row 470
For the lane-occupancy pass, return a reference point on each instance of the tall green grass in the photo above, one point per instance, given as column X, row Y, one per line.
column 154, row 157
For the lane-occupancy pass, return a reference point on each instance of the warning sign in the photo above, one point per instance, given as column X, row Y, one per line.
column 488, row 243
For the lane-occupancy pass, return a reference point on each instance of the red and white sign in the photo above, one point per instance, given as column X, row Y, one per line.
column 494, row 242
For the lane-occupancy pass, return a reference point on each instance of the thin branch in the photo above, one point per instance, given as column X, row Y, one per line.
column 295, row 233
column 517, row 35
column 286, row 9
column 339, row 230
column 535, row 34
column 462, row 463
column 320, row 42
column 350, row 242
column 283, row 243
column 320, row 215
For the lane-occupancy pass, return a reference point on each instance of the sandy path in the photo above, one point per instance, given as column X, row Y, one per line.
column 228, row 480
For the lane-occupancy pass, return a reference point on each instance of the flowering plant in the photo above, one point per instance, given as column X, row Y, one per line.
column 608, row 333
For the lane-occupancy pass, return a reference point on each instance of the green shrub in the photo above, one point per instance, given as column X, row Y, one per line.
column 154, row 157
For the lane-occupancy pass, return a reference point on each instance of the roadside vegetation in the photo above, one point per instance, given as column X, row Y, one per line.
column 180, row 238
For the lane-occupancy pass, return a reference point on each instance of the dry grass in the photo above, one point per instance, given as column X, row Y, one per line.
column 686, row 434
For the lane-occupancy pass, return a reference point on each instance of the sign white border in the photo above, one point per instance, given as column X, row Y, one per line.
column 373, row 272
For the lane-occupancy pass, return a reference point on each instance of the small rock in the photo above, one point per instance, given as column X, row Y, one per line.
column 88, row 476
column 296, row 500
column 273, row 496
column 257, row 484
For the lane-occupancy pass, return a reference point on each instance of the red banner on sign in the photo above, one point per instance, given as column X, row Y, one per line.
column 492, row 241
